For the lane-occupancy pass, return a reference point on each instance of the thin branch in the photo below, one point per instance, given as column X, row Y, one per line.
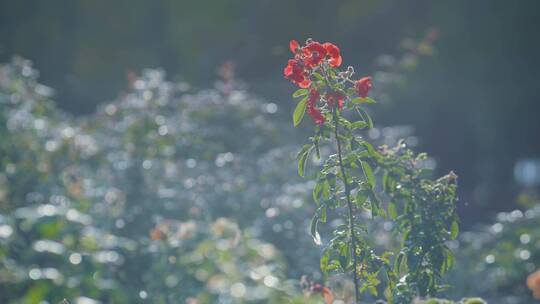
column 350, row 207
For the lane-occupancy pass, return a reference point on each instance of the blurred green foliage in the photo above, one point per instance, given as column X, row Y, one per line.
column 152, row 199
column 495, row 260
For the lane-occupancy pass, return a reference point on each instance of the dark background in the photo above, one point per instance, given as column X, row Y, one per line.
column 474, row 105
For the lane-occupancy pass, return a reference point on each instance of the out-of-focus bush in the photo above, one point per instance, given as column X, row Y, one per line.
column 494, row 261
column 161, row 196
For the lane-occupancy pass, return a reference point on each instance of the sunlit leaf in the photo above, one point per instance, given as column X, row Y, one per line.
column 313, row 229
column 365, row 117
column 454, row 230
column 300, row 92
column 368, row 172
column 392, row 211
column 358, row 125
column 360, row 100
column 299, row 111
column 302, row 158
column 318, row 76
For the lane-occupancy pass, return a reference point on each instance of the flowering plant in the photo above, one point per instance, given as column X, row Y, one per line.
column 360, row 181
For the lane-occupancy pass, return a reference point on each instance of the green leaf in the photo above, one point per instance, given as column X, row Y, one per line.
column 300, row 92
column 344, row 256
column 448, row 261
column 360, row 100
column 331, row 180
column 325, row 259
column 392, row 211
column 318, row 76
column 322, row 213
column 320, row 190
column 398, row 262
column 361, row 198
column 376, row 210
column 313, row 228
column 385, row 257
column 358, row 125
column 317, row 150
column 302, row 158
column 454, row 230
column 299, row 111
column 368, row 172
column 365, row 116
column 372, row 152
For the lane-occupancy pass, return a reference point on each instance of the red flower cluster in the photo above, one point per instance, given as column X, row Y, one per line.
column 324, row 56
column 307, row 58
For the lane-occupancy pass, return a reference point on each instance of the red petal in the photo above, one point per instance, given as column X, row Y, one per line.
column 287, row 71
column 332, row 49
column 304, row 84
column 335, row 62
column 293, row 46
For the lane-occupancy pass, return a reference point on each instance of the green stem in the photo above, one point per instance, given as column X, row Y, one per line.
column 350, row 207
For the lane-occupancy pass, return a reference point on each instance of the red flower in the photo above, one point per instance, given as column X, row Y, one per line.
column 335, row 99
column 314, row 54
column 312, row 109
column 363, row 85
column 296, row 73
column 333, row 52
column 293, row 45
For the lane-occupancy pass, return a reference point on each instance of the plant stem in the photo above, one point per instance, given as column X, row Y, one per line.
column 349, row 205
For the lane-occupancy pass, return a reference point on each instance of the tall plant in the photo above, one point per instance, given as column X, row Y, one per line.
column 390, row 183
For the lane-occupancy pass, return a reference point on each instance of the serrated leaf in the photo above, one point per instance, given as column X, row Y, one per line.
column 302, row 158
column 313, row 229
column 317, row 190
column 448, row 261
column 300, row 92
column 325, row 259
column 317, row 150
column 344, row 256
column 358, row 125
column 318, row 76
column 375, row 210
column 299, row 111
column 371, row 150
column 398, row 262
column 373, row 290
column 331, row 179
column 385, row 257
column 392, row 211
column 361, row 198
column 322, row 213
column 360, row 100
column 454, row 230
column 368, row 172
column 365, row 117
column 320, row 190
